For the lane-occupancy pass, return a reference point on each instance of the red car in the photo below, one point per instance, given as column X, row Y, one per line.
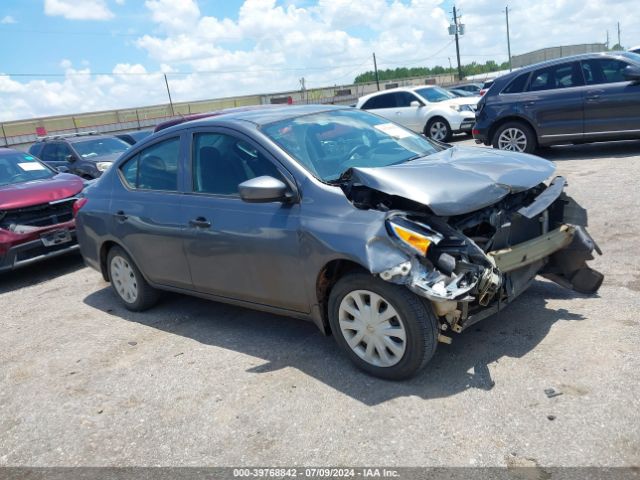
column 36, row 210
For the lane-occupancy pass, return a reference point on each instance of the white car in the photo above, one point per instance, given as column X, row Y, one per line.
column 426, row 109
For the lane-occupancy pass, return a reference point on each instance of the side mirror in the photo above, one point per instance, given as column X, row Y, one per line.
column 262, row 190
column 415, row 103
column 62, row 169
column 632, row 73
column 70, row 158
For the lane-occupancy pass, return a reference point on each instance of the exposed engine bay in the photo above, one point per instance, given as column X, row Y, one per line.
column 471, row 265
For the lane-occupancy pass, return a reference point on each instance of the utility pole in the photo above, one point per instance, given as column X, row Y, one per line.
column 607, row 39
column 166, row 82
column 619, row 42
column 375, row 69
column 506, row 12
column 303, row 89
column 456, row 28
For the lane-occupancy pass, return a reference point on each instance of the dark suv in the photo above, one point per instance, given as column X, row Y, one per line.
column 578, row 99
column 84, row 154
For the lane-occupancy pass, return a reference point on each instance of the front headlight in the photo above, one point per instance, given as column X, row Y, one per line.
column 417, row 237
column 461, row 108
column 102, row 166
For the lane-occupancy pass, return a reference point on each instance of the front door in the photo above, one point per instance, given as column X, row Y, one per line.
column 612, row 103
column 239, row 250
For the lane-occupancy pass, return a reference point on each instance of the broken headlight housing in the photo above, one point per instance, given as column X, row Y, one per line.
column 417, row 236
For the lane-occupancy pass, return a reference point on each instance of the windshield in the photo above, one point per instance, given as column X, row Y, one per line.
column 434, row 94
column 18, row 167
column 329, row 143
column 100, row 147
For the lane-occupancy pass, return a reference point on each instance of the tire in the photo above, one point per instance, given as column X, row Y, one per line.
column 438, row 124
column 128, row 283
column 515, row 137
column 413, row 316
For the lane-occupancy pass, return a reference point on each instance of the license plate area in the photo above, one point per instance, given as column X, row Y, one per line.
column 51, row 239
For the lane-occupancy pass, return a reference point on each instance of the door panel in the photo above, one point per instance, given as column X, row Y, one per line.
column 405, row 114
column 555, row 101
column 146, row 213
column 612, row 104
column 245, row 251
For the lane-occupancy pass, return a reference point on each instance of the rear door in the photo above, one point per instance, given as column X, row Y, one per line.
column 612, row 103
column 554, row 101
column 145, row 212
column 235, row 249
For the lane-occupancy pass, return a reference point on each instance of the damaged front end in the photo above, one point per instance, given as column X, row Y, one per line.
column 471, row 265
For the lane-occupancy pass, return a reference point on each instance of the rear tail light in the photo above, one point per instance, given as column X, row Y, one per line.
column 475, row 131
column 78, row 204
column 483, row 91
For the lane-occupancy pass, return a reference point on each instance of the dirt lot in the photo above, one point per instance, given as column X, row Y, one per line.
column 191, row 382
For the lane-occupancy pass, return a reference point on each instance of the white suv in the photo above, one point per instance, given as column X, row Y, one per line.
column 424, row 109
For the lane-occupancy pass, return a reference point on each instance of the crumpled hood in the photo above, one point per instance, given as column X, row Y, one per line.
column 36, row 192
column 458, row 180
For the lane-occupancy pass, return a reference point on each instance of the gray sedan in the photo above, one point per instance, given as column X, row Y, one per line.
column 383, row 238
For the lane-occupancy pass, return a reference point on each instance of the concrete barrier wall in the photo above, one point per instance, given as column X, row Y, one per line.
column 555, row 52
column 24, row 132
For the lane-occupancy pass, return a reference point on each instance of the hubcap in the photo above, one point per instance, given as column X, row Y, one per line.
column 438, row 131
column 124, row 279
column 372, row 328
column 513, row 140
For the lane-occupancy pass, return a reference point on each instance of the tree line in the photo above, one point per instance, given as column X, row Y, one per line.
column 472, row 68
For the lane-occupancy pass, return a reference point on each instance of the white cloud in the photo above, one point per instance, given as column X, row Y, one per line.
column 78, row 9
column 270, row 45
column 7, row 20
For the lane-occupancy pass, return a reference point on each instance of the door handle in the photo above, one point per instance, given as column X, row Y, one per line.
column 594, row 94
column 120, row 215
column 200, row 222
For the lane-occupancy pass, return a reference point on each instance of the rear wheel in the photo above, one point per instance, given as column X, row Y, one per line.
column 438, row 129
column 515, row 137
column 128, row 283
column 385, row 329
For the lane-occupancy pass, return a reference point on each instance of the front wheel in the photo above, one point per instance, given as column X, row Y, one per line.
column 385, row 329
column 515, row 137
column 438, row 129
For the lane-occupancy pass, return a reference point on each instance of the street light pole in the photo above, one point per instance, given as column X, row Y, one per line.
column 506, row 12
column 166, row 82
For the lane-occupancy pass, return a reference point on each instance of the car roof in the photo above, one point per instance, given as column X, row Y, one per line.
column 407, row 88
column 73, row 138
column 572, row 58
column 7, row 151
column 260, row 117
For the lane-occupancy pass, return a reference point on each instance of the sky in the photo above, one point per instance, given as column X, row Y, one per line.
column 70, row 56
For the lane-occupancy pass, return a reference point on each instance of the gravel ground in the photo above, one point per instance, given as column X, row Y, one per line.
column 192, row 382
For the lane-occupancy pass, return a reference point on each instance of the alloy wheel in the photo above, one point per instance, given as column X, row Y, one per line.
column 438, row 131
column 513, row 140
column 123, row 279
column 372, row 328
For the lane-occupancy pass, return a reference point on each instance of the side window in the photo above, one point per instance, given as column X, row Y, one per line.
column 386, row 100
column 222, row 162
column 404, row 99
column 603, row 70
column 518, row 84
column 63, row 152
column 155, row 167
column 48, row 153
column 557, row 76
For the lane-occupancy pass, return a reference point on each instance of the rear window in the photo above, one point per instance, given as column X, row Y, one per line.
column 518, row 84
